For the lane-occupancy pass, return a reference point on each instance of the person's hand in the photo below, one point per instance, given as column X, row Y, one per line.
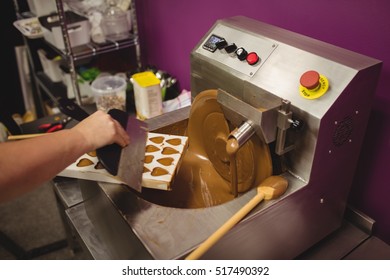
column 100, row 129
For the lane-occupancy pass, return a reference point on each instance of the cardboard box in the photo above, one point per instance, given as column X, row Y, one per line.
column 78, row 29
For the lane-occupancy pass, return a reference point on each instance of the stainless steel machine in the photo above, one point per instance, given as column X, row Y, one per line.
column 307, row 100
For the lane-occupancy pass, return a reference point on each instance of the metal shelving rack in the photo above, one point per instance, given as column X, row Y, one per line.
column 92, row 49
column 35, row 82
column 73, row 54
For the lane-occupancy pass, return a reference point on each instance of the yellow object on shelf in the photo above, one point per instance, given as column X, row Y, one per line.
column 147, row 95
column 146, row 79
column 29, row 117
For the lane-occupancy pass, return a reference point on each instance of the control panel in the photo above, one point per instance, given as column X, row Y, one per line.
column 215, row 42
column 243, row 52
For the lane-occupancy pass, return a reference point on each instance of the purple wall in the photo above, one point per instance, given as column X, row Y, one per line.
column 170, row 29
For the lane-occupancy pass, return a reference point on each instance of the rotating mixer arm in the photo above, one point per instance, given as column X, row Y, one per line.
column 262, row 118
column 270, row 121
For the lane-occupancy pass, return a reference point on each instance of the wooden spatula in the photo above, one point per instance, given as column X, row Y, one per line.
column 271, row 188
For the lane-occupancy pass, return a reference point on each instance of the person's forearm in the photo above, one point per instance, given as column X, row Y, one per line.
column 28, row 163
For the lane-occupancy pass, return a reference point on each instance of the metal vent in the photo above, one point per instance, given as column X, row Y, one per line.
column 343, row 131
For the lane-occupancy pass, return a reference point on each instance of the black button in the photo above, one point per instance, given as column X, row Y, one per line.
column 241, row 53
column 221, row 44
column 231, row 48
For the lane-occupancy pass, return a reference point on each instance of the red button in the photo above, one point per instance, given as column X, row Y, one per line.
column 252, row 58
column 310, row 79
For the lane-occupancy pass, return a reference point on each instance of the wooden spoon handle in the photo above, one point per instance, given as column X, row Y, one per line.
column 238, row 216
column 271, row 188
column 24, row 136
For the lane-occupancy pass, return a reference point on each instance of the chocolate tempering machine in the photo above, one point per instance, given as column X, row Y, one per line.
column 303, row 105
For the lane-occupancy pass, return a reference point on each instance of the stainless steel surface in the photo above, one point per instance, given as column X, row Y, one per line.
column 165, row 232
column 86, row 233
column 319, row 169
column 171, row 119
column 372, row 249
column 326, row 164
column 352, row 79
column 242, row 133
column 347, row 242
column 108, row 242
column 361, row 220
column 68, row 192
column 261, row 112
column 284, row 123
column 355, row 230
column 338, row 244
column 131, row 161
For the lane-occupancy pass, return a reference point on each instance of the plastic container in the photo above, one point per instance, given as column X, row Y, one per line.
column 42, row 7
column 110, row 93
column 78, row 27
column 51, row 65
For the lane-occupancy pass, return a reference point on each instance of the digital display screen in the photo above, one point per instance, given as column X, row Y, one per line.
column 211, row 42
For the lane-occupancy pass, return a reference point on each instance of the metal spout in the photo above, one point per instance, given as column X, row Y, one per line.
column 243, row 133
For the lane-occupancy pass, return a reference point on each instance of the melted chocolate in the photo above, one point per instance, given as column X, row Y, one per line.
column 204, row 177
column 148, row 159
column 169, row 151
column 84, row 162
column 99, row 165
column 174, row 141
column 166, row 161
column 151, row 149
column 92, row 154
column 157, row 139
column 158, row 171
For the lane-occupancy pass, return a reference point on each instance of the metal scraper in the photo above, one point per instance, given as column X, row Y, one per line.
column 126, row 163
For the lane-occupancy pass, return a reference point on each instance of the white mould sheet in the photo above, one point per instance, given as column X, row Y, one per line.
column 163, row 153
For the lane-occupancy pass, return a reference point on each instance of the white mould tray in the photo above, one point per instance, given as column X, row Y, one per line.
column 162, row 157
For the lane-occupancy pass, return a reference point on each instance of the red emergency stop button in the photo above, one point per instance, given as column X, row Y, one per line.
column 252, row 58
column 310, row 79
column 313, row 85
